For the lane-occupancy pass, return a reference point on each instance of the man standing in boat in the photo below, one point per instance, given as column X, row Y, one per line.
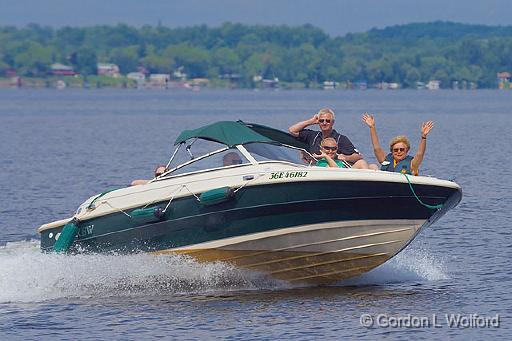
column 325, row 120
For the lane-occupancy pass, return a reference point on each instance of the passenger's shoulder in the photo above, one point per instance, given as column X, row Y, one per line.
column 337, row 135
column 307, row 132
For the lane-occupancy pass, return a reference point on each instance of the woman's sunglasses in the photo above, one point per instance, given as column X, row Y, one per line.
column 329, row 148
column 396, row 150
column 324, row 120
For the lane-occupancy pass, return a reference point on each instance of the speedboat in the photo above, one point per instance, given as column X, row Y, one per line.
column 251, row 200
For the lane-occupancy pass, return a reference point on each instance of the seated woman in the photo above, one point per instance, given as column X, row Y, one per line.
column 398, row 159
column 328, row 156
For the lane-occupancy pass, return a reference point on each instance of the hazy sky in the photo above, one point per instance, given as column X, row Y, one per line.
column 336, row 17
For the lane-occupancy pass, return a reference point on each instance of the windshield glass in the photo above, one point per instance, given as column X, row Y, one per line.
column 198, row 149
column 195, row 156
column 271, row 152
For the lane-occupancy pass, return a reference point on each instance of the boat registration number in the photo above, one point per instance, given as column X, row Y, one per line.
column 284, row 175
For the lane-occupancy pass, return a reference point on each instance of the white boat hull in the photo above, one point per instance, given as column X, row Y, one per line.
column 319, row 253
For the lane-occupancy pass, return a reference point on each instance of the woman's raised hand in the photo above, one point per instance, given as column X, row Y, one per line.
column 368, row 119
column 426, row 127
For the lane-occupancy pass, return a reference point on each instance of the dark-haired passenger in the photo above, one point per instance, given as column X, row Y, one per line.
column 159, row 170
column 231, row 158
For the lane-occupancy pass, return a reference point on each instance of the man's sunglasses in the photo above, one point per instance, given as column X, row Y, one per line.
column 329, row 148
column 324, row 120
column 396, row 150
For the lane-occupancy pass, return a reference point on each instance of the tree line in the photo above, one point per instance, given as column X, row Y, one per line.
column 305, row 54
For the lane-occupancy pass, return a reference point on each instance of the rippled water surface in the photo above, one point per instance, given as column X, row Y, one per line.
column 60, row 147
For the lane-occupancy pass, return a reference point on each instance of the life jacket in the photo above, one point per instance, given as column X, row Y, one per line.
column 403, row 166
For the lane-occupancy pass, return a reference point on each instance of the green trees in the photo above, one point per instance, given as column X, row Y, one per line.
column 33, row 59
column 404, row 54
column 127, row 58
column 3, row 67
column 225, row 61
column 195, row 60
column 84, row 61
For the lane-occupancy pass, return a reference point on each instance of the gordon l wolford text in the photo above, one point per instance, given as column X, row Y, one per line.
column 434, row 321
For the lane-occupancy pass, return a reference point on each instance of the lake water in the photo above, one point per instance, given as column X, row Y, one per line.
column 60, row 147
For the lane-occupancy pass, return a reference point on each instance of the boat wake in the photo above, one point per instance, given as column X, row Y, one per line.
column 30, row 276
column 410, row 265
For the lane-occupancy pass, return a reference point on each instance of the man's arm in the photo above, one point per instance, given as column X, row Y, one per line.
column 350, row 158
column 297, row 127
column 139, row 182
column 347, row 151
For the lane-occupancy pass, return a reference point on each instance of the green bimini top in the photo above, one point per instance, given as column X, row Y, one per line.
column 233, row 133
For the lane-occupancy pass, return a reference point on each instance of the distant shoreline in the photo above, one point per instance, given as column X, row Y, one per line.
column 418, row 55
column 194, row 86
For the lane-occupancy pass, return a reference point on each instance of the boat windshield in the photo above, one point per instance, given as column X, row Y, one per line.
column 270, row 152
column 201, row 155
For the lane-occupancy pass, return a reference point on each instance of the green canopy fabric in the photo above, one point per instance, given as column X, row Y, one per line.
column 226, row 132
column 233, row 133
column 277, row 135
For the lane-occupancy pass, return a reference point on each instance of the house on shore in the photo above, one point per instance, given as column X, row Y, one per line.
column 433, row 85
column 179, row 74
column 159, row 80
column 504, row 80
column 386, row 86
column 138, row 77
column 59, row 69
column 110, row 70
column 329, row 85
